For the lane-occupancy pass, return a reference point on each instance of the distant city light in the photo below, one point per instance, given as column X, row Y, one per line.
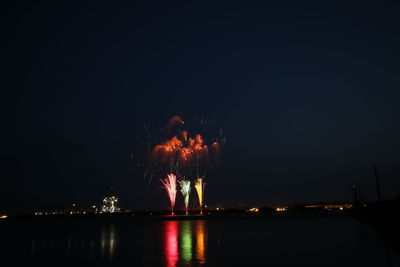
column 330, row 206
column 254, row 210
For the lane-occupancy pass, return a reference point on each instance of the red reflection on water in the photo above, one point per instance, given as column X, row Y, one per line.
column 171, row 243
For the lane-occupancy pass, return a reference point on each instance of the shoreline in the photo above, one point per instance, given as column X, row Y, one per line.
column 180, row 217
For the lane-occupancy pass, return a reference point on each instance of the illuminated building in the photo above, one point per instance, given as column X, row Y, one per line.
column 110, row 205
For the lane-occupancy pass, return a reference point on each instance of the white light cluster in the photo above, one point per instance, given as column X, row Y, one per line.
column 110, row 205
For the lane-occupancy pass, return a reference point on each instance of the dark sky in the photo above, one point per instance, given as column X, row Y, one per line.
column 307, row 95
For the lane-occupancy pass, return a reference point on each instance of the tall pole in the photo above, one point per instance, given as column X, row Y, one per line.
column 378, row 189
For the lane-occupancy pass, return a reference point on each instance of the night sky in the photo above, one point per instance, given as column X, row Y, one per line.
column 307, row 95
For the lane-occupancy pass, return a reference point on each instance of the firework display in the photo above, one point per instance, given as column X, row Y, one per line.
column 170, row 186
column 185, row 190
column 185, row 151
column 199, row 185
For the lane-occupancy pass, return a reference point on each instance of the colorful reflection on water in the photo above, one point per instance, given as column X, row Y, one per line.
column 142, row 242
column 183, row 240
column 171, row 243
column 200, row 242
column 186, row 241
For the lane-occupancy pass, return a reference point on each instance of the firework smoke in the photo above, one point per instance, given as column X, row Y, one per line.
column 185, row 190
column 170, row 186
column 199, row 185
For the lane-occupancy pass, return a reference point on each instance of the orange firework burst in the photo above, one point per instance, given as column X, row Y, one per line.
column 184, row 150
column 184, row 154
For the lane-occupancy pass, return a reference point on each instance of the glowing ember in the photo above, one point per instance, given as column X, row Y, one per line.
column 199, row 185
column 185, row 190
column 170, row 186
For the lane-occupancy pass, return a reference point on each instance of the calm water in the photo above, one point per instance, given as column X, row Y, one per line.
column 339, row 241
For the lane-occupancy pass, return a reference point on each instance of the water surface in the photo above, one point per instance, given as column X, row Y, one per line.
column 325, row 241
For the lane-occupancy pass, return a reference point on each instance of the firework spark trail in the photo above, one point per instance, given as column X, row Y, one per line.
column 185, row 190
column 199, row 185
column 170, row 186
